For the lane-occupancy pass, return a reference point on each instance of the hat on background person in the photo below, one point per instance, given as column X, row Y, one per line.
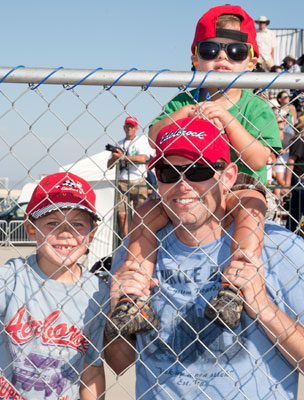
column 206, row 27
column 262, row 18
column 197, row 139
column 59, row 191
column 131, row 120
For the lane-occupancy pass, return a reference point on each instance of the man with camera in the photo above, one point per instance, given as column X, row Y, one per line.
column 131, row 153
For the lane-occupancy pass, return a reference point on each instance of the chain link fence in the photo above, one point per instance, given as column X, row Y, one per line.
column 61, row 120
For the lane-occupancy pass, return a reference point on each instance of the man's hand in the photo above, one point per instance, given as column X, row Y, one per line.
column 130, row 278
column 247, row 274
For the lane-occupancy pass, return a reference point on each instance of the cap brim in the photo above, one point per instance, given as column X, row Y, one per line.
column 60, row 206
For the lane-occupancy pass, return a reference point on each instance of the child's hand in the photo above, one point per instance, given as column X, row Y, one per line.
column 130, row 278
column 215, row 113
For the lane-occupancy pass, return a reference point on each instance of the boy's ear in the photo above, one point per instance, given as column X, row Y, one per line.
column 30, row 229
column 92, row 234
column 194, row 61
column 252, row 63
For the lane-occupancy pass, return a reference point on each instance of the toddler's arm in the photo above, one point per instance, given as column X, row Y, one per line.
column 187, row 111
column 243, row 143
column 248, row 210
column 147, row 220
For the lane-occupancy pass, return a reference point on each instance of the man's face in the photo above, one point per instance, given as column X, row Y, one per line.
column 193, row 203
column 130, row 131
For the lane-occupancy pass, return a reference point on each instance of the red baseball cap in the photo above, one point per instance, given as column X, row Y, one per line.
column 206, row 27
column 131, row 120
column 61, row 190
column 197, row 139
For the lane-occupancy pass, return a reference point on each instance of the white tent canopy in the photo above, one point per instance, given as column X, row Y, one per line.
column 94, row 170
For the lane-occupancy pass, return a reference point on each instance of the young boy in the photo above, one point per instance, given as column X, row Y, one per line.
column 225, row 41
column 52, row 308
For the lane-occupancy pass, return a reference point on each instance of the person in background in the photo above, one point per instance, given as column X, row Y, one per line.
column 52, row 309
column 267, row 42
column 131, row 153
column 295, row 178
column 273, row 93
column 287, row 108
column 290, row 65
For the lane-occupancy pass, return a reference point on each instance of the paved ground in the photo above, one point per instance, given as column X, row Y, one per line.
column 118, row 388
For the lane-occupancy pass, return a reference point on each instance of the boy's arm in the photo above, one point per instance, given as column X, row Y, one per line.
column 248, row 210
column 189, row 110
column 147, row 220
column 92, row 383
column 242, row 142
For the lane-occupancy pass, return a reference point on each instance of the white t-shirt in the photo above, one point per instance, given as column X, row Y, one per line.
column 138, row 146
column 266, row 41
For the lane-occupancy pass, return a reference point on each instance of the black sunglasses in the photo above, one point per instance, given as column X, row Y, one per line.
column 196, row 172
column 235, row 51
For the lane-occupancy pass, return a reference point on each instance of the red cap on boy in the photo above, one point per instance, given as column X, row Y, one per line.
column 61, row 190
column 206, row 27
column 197, row 139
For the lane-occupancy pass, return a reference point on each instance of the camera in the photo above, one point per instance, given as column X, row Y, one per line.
column 112, row 148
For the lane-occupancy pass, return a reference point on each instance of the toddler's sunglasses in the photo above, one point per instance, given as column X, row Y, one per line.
column 196, row 172
column 235, row 51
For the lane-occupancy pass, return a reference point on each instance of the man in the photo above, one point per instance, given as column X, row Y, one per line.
column 266, row 42
column 190, row 356
column 132, row 154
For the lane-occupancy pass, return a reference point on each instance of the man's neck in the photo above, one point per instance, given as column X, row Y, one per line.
column 209, row 232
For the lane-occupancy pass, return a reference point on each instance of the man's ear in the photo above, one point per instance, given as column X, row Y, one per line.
column 30, row 230
column 228, row 177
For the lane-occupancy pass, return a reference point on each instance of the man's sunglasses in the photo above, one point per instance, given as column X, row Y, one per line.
column 167, row 173
column 235, row 51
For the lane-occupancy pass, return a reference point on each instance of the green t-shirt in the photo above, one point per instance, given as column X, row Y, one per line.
column 252, row 112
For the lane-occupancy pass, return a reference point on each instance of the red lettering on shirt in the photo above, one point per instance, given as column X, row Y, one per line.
column 22, row 328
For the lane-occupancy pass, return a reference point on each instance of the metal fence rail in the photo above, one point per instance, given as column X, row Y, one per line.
column 61, row 119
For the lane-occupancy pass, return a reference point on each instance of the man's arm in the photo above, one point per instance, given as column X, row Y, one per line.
column 92, row 383
column 283, row 331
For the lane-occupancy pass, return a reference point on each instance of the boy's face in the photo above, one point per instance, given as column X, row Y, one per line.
column 222, row 63
column 62, row 238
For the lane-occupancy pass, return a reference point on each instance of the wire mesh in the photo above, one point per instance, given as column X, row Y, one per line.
column 61, row 120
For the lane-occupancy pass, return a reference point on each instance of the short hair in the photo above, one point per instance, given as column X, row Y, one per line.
column 225, row 19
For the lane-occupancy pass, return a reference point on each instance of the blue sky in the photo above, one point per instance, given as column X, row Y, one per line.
column 147, row 35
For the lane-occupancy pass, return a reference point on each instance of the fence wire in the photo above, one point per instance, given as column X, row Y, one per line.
column 61, row 120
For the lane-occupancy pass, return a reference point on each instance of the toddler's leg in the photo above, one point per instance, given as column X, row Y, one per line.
column 248, row 210
column 134, row 314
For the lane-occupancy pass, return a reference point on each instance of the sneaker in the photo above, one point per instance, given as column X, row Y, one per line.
column 226, row 307
column 132, row 314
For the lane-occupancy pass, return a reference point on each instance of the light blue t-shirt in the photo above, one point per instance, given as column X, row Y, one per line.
column 49, row 329
column 191, row 358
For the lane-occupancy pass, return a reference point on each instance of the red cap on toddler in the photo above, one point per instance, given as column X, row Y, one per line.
column 131, row 120
column 206, row 27
column 197, row 139
column 61, row 190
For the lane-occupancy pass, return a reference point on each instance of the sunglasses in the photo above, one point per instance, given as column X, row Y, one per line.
column 194, row 172
column 235, row 51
